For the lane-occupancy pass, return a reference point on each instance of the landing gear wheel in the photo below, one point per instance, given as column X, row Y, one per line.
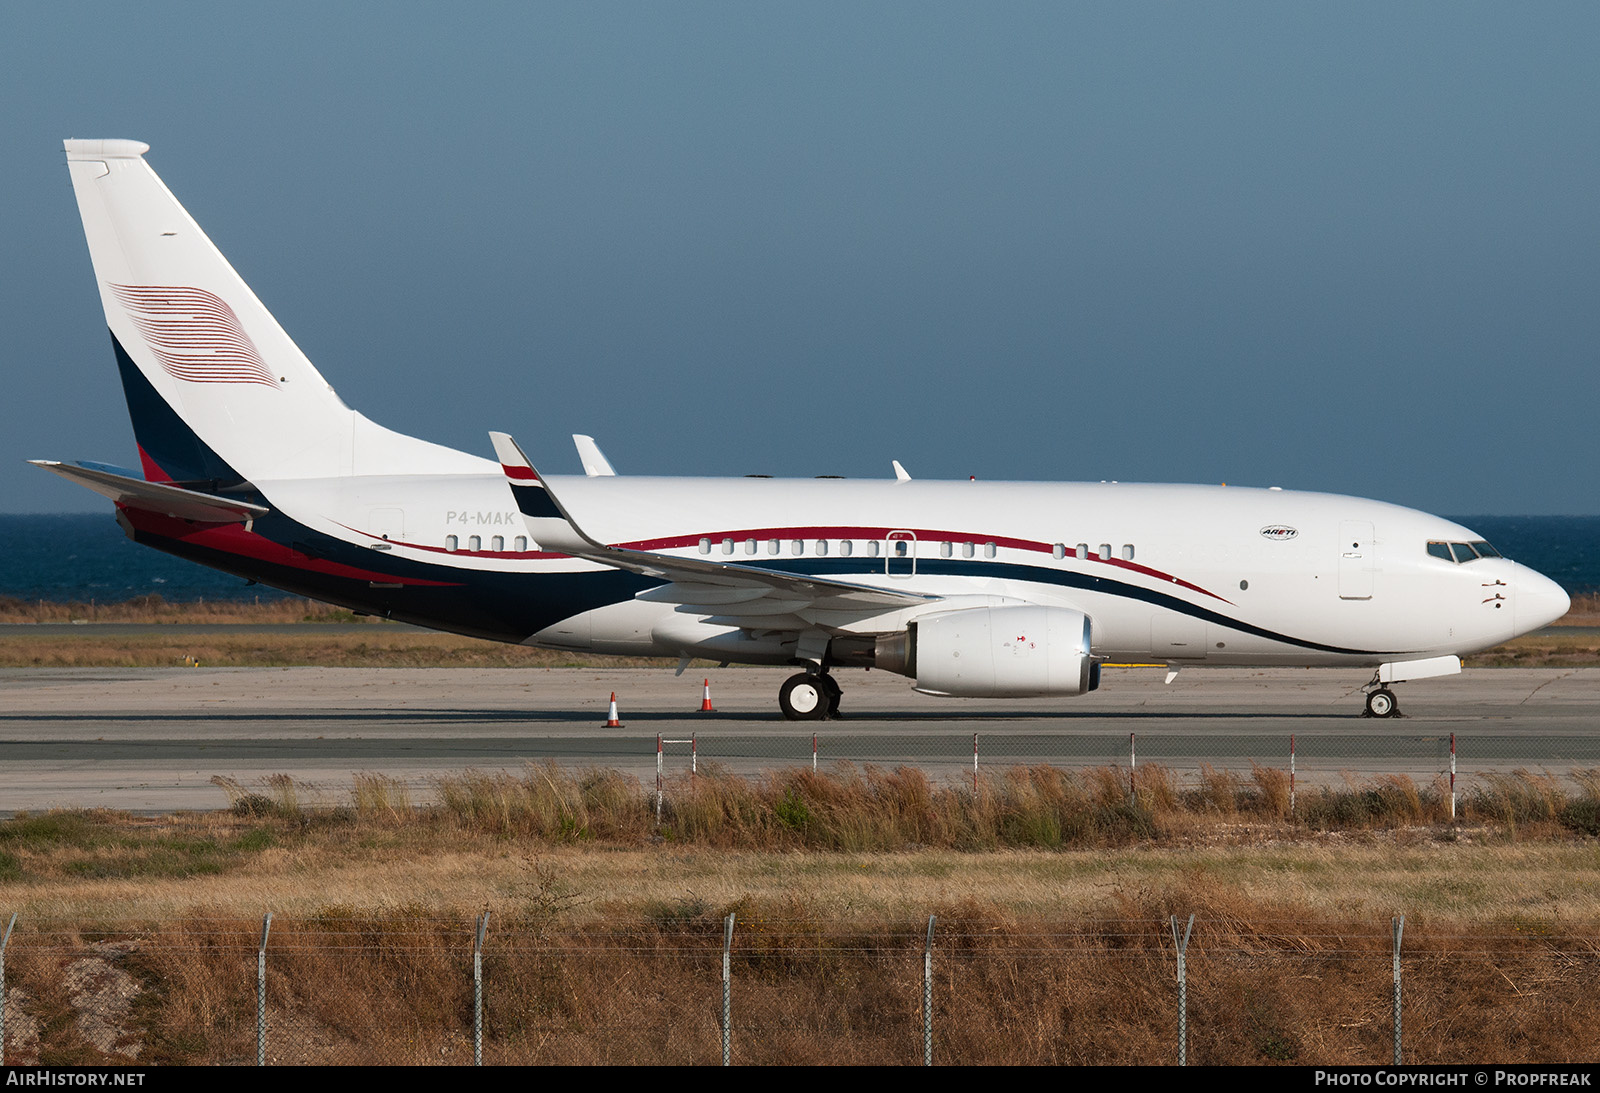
column 1382, row 703
column 804, row 697
column 833, row 693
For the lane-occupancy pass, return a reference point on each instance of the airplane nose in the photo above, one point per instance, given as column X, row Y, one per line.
column 1539, row 601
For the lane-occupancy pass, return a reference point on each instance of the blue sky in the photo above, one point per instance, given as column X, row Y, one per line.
column 1341, row 247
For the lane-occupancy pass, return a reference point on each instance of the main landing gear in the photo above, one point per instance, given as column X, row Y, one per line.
column 1382, row 703
column 810, row 696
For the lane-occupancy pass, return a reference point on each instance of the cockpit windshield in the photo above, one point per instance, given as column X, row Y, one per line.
column 1460, row 553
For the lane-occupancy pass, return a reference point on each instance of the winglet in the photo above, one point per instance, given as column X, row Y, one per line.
column 900, row 474
column 595, row 464
column 517, row 466
column 547, row 522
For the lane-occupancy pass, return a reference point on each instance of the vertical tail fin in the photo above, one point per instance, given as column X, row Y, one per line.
column 214, row 384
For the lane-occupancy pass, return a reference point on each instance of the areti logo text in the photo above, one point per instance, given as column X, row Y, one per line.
column 1279, row 532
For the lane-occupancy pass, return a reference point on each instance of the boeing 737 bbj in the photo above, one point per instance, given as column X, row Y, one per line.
column 253, row 465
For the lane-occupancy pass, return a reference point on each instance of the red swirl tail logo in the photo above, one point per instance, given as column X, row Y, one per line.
column 194, row 334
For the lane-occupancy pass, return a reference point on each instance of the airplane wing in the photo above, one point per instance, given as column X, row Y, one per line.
column 726, row 590
column 205, row 508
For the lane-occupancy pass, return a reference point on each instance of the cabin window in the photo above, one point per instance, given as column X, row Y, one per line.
column 822, row 547
column 1440, row 550
column 705, row 546
column 1082, row 551
column 797, row 546
column 475, row 542
column 1058, row 551
column 1127, row 552
column 521, row 543
column 873, row 548
column 846, row 548
column 900, row 548
column 1485, row 550
column 1105, row 552
column 989, row 550
column 452, row 542
column 749, row 546
column 727, row 546
column 772, row 546
column 968, row 550
column 1463, row 552
column 498, row 544
column 946, row 549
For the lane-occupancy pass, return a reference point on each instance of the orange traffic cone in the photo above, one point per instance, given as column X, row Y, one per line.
column 705, row 703
column 611, row 720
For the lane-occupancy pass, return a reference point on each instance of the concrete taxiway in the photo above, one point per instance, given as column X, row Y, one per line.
column 151, row 740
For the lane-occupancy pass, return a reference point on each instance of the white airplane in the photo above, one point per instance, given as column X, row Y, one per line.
column 253, row 465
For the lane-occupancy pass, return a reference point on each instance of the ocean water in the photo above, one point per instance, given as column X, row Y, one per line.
column 82, row 558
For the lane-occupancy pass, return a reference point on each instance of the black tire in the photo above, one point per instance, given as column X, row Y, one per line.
column 804, row 697
column 1382, row 703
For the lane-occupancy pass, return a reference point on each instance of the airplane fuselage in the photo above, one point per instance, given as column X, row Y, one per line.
column 1171, row 573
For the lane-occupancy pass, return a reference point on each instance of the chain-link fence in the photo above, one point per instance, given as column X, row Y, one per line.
column 1309, row 759
column 694, row 986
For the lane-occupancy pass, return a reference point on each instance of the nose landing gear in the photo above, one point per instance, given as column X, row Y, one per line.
column 1382, row 703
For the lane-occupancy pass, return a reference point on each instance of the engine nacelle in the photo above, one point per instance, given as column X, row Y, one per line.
column 995, row 652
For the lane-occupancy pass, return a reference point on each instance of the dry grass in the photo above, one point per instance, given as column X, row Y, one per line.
column 1585, row 611
column 321, row 646
column 155, row 609
column 1051, row 941
column 1269, row 981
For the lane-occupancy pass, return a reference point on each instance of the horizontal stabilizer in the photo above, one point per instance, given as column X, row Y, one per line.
column 175, row 501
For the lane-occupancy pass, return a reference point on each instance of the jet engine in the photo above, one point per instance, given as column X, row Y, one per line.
column 994, row 652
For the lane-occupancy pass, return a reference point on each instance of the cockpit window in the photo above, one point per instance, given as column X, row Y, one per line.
column 1461, row 552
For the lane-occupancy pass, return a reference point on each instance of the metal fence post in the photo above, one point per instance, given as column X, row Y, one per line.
column 727, row 992
column 658, row 778
column 477, row 990
column 1291, row 776
column 1183, row 989
column 4, row 941
column 1452, row 777
column 927, row 997
column 1399, row 924
column 261, row 992
column 974, row 764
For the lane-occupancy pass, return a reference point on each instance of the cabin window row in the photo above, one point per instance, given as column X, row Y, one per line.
column 497, row 543
column 845, row 548
column 873, row 548
column 1082, row 551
